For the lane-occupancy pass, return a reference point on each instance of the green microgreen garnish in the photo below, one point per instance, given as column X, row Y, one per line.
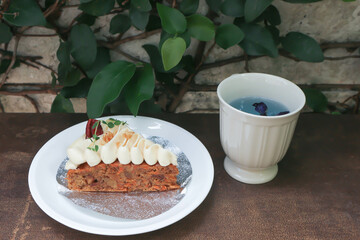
column 112, row 123
column 95, row 125
column 95, row 137
column 95, row 148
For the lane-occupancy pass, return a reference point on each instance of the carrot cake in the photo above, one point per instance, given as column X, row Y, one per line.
column 111, row 157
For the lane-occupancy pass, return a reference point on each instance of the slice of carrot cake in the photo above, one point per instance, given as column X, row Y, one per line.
column 110, row 157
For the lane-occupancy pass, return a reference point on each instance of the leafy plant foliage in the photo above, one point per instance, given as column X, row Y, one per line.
column 62, row 104
column 172, row 51
column 6, row 34
column 303, row 47
column 86, row 68
column 107, row 86
column 24, row 13
column 228, row 35
column 315, row 99
column 254, row 8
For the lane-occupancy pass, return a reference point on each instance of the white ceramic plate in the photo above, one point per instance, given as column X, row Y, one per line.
column 43, row 184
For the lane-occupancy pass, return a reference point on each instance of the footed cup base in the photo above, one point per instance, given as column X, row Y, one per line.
column 250, row 176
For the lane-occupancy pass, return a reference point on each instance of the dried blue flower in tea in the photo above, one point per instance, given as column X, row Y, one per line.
column 260, row 106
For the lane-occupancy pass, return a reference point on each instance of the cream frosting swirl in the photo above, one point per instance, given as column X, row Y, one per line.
column 118, row 143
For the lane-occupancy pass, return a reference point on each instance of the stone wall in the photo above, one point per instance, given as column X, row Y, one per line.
column 328, row 21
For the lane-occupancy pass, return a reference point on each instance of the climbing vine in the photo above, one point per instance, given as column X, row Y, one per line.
column 86, row 69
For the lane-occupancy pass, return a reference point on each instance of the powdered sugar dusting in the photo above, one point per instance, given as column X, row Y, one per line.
column 135, row 205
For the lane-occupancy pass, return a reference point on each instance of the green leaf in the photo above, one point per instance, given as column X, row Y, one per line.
column 303, row 47
column 157, row 63
column 258, row 40
column 139, row 88
column 86, row 19
column 228, row 35
column 185, row 35
column 83, row 45
column 141, row 5
column 201, row 27
column 5, row 63
column 187, row 38
column 172, row 20
column 120, row 24
column 154, row 23
column 275, row 34
column 315, row 99
column 107, row 85
column 233, row 8
column 138, row 19
column 301, row 1
column 85, row 1
column 97, row 7
column 63, row 55
column 271, row 14
column 5, row 33
column 102, row 59
column 172, row 51
column 189, row 7
column 72, row 78
column 155, row 57
column 80, row 90
column 214, row 5
column 26, row 13
column 61, row 105
column 254, row 8
column 165, row 36
column 186, row 63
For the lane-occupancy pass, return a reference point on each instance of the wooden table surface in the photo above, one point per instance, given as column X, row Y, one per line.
column 316, row 194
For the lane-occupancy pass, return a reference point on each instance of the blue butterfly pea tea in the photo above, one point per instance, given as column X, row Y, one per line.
column 259, row 106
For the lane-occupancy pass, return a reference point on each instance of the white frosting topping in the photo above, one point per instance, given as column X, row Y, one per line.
column 119, row 142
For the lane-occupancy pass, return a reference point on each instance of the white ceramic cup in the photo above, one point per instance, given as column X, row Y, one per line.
column 255, row 144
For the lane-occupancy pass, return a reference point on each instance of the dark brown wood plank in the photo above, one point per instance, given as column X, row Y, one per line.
column 316, row 194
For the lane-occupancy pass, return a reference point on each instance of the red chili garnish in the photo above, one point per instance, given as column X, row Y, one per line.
column 89, row 132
